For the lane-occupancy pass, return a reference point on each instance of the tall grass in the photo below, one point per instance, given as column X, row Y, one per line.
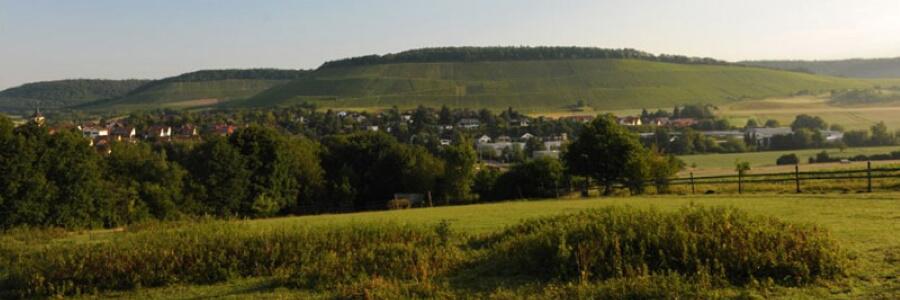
column 303, row 256
column 722, row 244
column 613, row 251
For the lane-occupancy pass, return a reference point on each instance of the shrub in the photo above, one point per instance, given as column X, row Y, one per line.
column 722, row 243
column 302, row 256
column 787, row 159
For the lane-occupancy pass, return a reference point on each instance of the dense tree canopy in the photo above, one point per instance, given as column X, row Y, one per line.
column 476, row 54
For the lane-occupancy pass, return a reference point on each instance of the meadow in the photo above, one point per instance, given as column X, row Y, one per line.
column 544, row 86
column 764, row 161
column 785, row 109
column 477, row 262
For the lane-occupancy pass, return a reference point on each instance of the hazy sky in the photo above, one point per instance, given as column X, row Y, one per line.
column 48, row 40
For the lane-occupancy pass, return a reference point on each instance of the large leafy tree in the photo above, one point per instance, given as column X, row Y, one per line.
column 606, row 152
column 156, row 183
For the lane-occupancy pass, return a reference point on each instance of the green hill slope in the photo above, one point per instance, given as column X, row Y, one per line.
column 540, row 85
column 859, row 68
column 51, row 95
column 195, row 89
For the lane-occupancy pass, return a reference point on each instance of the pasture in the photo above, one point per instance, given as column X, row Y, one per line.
column 864, row 225
column 785, row 109
column 764, row 161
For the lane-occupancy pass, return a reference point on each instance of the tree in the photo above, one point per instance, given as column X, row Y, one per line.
column 805, row 121
column 533, row 144
column 880, row 135
column 751, row 123
column 537, row 178
column 148, row 175
column 856, row 138
column 604, row 151
column 220, row 178
column 459, row 169
column 771, row 123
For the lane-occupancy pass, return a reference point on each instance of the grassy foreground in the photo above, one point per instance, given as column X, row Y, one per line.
column 864, row 225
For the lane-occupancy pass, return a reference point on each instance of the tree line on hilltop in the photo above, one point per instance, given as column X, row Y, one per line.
column 478, row 54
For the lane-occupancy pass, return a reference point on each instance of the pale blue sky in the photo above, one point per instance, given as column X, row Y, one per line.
column 47, row 40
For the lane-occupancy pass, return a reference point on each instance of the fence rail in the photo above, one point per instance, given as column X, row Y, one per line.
column 799, row 180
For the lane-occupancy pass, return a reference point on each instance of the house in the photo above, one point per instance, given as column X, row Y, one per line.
column 123, row 132
column 93, row 131
column 630, row 121
column 484, row 139
column 523, row 122
column 545, row 153
column 526, row 136
column 722, row 134
column 158, row 131
column 38, row 118
column 372, row 128
column 186, row 130
column 223, row 129
column 342, row 114
column 553, row 145
column 446, row 142
column 762, row 137
column 468, row 123
column 661, row 121
column 683, row 122
column 580, row 118
column 832, row 136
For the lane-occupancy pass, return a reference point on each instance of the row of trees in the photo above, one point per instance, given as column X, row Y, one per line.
column 476, row 54
column 60, row 180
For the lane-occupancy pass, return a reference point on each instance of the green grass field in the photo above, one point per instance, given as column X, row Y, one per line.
column 718, row 161
column 864, row 224
column 785, row 109
column 542, row 86
column 185, row 94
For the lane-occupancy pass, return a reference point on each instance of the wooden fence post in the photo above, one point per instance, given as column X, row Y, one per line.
column 740, row 182
column 693, row 190
column 797, row 176
column 869, row 175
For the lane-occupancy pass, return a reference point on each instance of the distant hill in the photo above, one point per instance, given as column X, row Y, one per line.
column 200, row 88
column 49, row 95
column 536, row 81
column 858, row 68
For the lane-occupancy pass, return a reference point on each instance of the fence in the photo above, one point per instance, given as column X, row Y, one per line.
column 861, row 180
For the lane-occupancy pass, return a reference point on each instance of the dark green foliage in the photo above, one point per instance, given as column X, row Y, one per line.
column 257, row 172
column 477, row 54
column 63, row 93
column 226, row 74
column 787, row 159
column 459, row 168
column 51, row 180
column 724, row 244
column 369, row 167
column 155, row 184
column 805, row 121
column 607, row 153
column 537, row 178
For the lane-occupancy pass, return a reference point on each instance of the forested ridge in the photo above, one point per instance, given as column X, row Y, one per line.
column 225, row 74
column 477, row 54
column 62, row 93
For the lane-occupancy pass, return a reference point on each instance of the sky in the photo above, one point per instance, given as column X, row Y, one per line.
column 49, row 40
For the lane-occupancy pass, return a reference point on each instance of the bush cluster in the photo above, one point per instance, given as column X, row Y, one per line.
column 725, row 244
column 300, row 257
